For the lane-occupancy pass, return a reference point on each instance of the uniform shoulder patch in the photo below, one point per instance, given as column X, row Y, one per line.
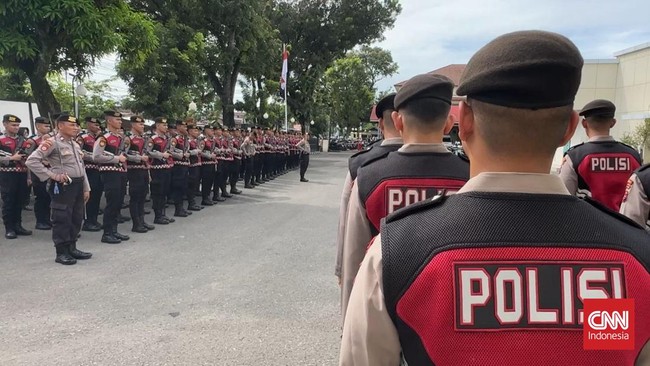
column 574, row 147
column 359, row 153
column 102, row 142
column 416, row 207
column 612, row 213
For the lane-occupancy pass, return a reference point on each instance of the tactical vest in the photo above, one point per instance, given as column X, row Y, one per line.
column 363, row 157
column 603, row 168
column 208, row 147
column 400, row 179
column 195, row 160
column 9, row 146
column 137, row 147
column 498, row 278
column 87, row 143
column 159, row 145
column 112, row 146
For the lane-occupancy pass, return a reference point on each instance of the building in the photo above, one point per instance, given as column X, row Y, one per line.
column 624, row 80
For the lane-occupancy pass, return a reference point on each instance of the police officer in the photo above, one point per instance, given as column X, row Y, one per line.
column 260, row 152
column 109, row 153
column 248, row 149
column 13, row 177
column 180, row 153
column 635, row 203
column 599, row 168
column 194, row 172
column 224, row 162
column 421, row 169
column 87, row 142
column 391, row 142
column 161, row 170
column 138, row 174
column 68, row 187
column 42, row 201
column 510, row 256
column 305, row 151
column 234, row 144
column 209, row 163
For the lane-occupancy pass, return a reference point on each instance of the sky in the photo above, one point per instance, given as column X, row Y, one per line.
column 430, row 34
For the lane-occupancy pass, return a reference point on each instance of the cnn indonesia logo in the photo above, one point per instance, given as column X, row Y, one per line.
column 609, row 325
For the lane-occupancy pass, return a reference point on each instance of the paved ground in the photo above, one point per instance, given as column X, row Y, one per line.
column 249, row 282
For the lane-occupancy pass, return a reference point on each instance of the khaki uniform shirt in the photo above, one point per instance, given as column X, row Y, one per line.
column 569, row 175
column 343, row 209
column 63, row 155
column 636, row 204
column 369, row 335
column 304, row 146
column 358, row 229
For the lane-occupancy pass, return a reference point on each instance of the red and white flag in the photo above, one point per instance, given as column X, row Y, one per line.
column 285, row 68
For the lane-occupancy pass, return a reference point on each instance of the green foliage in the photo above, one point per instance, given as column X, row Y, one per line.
column 14, row 86
column 640, row 137
column 40, row 37
column 377, row 62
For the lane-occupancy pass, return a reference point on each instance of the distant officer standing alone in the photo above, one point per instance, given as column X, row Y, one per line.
column 305, row 150
column 599, row 168
column 68, row 187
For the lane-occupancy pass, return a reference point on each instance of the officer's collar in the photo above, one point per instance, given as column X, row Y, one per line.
column 514, row 182
column 602, row 138
column 424, row 147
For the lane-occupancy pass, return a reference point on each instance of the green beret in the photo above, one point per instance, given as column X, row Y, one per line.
column 384, row 104
column 599, row 107
column 112, row 113
column 11, row 118
column 526, row 69
column 137, row 119
column 41, row 120
column 425, row 86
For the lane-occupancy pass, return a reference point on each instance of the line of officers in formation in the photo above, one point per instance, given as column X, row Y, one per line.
column 411, row 218
column 176, row 162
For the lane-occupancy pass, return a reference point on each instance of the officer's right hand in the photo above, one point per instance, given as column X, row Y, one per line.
column 16, row 157
column 165, row 155
column 122, row 158
column 61, row 178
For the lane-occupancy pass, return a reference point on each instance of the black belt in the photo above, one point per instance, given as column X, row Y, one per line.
column 77, row 179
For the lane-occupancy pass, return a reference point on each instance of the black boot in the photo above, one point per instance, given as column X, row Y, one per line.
column 207, row 202
column 43, row 226
column 109, row 238
column 137, row 226
column 91, row 226
column 76, row 253
column 122, row 237
column 21, row 231
column 180, row 211
column 63, row 255
column 10, row 232
column 234, row 190
column 147, row 226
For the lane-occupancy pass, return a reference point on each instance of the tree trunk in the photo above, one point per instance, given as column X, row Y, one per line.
column 45, row 99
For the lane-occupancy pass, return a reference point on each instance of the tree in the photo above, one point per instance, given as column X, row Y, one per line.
column 640, row 138
column 41, row 37
column 13, row 86
column 378, row 63
column 319, row 32
column 349, row 92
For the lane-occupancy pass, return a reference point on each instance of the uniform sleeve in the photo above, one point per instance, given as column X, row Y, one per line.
column 175, row 152
column 35, row 162
column 635, row 204
column 343, row 216
column 133, row 157
column 369, row 335
column 154, row 154
column 99, row 156
column 569, row 175
column 356, row 240
column 86, row 182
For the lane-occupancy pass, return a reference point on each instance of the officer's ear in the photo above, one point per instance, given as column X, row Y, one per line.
column 466, row 126
column 584, row 123
column 613, row 123
column 449, row 124
column 398, row 121
column 571, row 128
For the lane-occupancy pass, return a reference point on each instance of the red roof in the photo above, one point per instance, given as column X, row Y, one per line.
column 453, row 71
column 373, row 117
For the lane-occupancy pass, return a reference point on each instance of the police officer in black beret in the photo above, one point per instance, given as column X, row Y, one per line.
column 600, row 168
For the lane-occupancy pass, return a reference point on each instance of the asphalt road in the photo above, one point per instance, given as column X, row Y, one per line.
column 248, row 282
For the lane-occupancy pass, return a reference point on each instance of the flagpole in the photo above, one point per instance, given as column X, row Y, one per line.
column 286, row 86
column 286, row 110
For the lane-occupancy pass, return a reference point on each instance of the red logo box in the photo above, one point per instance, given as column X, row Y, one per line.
column 608, row 324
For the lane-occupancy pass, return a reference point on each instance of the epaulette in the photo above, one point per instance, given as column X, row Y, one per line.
column 574, row 147
column 612, row 213
column 631, row 147
column 359, row 153
column 376, row 158
column 416, row 207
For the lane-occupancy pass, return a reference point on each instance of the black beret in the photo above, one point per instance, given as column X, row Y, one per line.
column 386, row 103
column 171, row 123
column 192, row 127
column 526, row 69
column 10, row 118
column 208, row 127
column 160, row 120
column 425, row 86
column 600, row 108
column 92, row 120
column 41, row 120
column 137, row 119
column 67, row 118
column 111, row 113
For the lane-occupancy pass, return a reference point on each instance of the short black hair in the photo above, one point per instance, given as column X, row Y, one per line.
column 427, row 113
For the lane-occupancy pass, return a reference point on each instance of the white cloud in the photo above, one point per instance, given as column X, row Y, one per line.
column 432, row 34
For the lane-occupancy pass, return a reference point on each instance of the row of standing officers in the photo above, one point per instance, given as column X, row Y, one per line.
column 176, row 162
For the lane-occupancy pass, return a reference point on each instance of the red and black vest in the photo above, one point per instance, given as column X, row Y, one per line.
column 208, row 147
column 499, row 278
column 112, row 146
column 10, row 146
column 181, row 142
column 195, row 160
column 603, row 168
column 361, row 158
column 87, row 142
column 402, row 178
column 137, row 147
column 160, row 145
